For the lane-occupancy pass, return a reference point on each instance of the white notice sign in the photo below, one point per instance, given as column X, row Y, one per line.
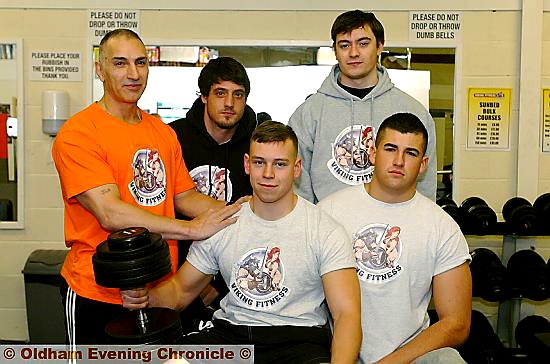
column 56, row 66
column 435, row 26
column 102, row 21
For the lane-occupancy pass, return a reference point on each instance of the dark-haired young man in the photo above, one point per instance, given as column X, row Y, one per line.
column 407, row 249
column 339, row 120
column 214, row 136
column 121, row 167
column 281, row 259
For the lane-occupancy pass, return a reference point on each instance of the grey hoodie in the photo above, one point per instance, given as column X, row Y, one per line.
column 336, row 132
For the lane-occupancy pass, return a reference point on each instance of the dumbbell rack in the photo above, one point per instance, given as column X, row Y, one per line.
column 511, row 311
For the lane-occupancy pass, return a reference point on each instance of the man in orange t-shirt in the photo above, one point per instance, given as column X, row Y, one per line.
column 121, row 167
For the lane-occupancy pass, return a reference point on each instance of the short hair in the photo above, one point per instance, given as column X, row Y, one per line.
column 116, row 33
column 353, row 19
column 223, row 69
column 404, row 123
column 272, row 132
column 262, row 116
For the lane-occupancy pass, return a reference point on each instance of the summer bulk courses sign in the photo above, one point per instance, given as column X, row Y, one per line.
column 489, row 118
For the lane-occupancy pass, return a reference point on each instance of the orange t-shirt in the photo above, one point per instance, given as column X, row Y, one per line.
column 144, row 160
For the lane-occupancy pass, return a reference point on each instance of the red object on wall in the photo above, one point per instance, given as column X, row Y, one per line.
column 3, row 136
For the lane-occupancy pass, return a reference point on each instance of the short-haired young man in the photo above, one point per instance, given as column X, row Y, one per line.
column 281, row 259
column 336, row 125
column 407, row 249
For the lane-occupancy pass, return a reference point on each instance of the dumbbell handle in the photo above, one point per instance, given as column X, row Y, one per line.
column 142, row 321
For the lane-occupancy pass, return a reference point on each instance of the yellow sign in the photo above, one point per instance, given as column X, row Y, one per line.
column 546, row 120
column 489, row 118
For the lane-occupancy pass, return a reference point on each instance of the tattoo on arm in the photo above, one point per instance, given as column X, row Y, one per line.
column 105, row 190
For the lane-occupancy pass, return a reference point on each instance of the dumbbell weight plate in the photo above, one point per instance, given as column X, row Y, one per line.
column 110, row 264
column 479, row 218
column 520, row 215
column 542, row 206
column 163, row 327
column 530, row 274
column 451, row 208
column 489, row 277
column 136, row 277
column 106, row 253
column 128, row 239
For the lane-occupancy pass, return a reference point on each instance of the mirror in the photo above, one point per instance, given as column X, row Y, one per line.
column 11, row 134
column 174, row 70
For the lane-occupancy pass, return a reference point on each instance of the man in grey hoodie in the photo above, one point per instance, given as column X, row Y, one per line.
column 336, row 126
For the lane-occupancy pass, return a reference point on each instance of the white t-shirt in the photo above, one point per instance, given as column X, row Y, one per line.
column 274, row 268
column 398, row 249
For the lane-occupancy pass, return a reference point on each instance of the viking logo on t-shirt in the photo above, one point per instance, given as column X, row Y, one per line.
column 213, row 181
column 377, row 250
column 258, row 278
column 351, row 150
column 149, row 184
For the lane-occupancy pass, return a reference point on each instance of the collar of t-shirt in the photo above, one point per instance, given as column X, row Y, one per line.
column 359, row 92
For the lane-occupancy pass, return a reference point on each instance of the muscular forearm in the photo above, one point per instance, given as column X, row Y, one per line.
column 346, row 340
column 114, row 214
column 444, row 333
column 120, row 215
column 170, row 295
column 192, row 203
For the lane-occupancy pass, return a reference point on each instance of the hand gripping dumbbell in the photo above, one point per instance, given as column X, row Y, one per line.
column 520, row 216
column 479, row 218
column 131, row 258
column 489, row 276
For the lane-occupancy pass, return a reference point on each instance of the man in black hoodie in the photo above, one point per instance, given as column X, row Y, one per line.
column 214, row 136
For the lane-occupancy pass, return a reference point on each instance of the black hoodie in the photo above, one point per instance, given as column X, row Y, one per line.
column 208, row 162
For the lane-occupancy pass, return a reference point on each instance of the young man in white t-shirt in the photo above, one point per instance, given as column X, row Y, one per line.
column 407, row 250
column 281, row 259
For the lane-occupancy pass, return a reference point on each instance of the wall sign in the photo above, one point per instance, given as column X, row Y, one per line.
column 546, row 120
column 489, row 118
column 102, row 21
column 56, row 66
column 435, row 26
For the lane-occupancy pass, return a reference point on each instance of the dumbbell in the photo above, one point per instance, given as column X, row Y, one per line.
column 478, row 217
column 483, row 346
column 528, row 336
column 520, row 216
column 451, row 208
column 131, row 258
column 542, row 206
column 489, row 276
column 529, row 274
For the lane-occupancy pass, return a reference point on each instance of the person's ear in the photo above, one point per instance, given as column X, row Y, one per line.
column 372, row 156
column 99, row 71
column 379, row 48
column 246, row 163
column 297, row 168
column 423, row 164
